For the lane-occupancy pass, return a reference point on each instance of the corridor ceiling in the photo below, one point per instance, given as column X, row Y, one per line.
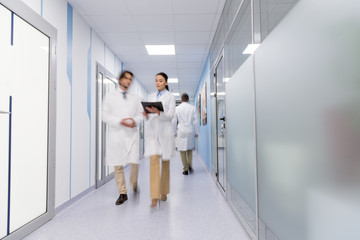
column 127, row 26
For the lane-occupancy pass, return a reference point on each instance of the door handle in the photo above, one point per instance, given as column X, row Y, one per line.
column 4, row 112
column 222, row 118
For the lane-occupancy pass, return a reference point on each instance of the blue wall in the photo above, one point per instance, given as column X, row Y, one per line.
column 204, row 139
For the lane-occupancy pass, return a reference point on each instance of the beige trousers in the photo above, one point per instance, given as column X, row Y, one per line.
column 159, row 184
column 186, row 157
column 120, row 177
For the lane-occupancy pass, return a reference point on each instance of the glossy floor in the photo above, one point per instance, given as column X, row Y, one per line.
column 195, row 209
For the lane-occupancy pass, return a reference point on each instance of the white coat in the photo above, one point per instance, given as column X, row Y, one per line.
column 122, row 143
column 187, row 126
column 159, row 133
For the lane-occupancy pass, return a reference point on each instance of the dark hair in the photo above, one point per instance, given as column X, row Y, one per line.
column 185, row 97
column 166, row 78
column 122, row 75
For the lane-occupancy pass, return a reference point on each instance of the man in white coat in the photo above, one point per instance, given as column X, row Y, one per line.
column 187, row 131
column 122, row 112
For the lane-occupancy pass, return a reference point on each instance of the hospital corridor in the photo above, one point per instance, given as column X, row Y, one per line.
column 179, row 119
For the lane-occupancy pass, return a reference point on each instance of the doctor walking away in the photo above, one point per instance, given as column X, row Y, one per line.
column 187, row 131
column 122, row 112
column 159, row 139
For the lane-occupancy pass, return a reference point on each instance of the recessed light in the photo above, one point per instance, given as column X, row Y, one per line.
column 250, row 49
column 176, row 94
column 173, row 80
column 160, row 49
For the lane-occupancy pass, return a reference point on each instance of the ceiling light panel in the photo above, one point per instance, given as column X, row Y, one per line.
column 173, row 80
column 160, row 49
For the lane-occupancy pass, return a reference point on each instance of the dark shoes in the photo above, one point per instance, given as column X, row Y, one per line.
column 122, row 198
column 191, row 170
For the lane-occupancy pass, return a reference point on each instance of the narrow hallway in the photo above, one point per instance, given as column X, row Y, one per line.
column 195, row 209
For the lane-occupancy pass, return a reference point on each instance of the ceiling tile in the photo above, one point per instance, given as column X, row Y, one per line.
column 190, row 49
column 113, row 23
column 122, row 38
column 103, row 7
column 193, row 65
column 145, row 7
column 220, row 6
column 186, row 23
column 130, row 50
column 192, row 37
column 159, row 38
column 188, row 71
column 136, row 58
column 163, row 59
column 154, row 23
column 195, row 7
column 190, row 58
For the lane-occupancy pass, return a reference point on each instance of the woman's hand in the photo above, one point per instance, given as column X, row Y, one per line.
column 153, row 110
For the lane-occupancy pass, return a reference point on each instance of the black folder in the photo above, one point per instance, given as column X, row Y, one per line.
column 158, row 105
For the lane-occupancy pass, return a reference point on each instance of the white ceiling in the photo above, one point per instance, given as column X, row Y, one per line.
column 127, row 25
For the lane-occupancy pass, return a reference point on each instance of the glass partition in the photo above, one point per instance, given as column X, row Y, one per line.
column 241, row 151
column 308, row 124
column 238, row 39
column 272, row 12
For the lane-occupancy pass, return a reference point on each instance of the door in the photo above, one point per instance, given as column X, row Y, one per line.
column 105, row 84
column 27, row 120
column 220, row 124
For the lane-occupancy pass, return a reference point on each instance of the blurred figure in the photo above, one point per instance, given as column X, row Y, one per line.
column 123, row 112
column 159, row 139
column 187, row 131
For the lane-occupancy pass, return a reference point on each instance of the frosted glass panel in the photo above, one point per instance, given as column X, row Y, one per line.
column 308, row 101
column 5, row 37
column 241, row 158
column 238, row 39
column 105, row 85
column 272, row 12
column 28, row 84
column 109, row 86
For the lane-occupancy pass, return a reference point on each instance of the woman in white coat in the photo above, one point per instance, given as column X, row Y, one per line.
column 187, row 129
column 159, row 139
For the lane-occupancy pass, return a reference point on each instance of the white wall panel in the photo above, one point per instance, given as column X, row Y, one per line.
column 5, row 49
column 80, row 137
column 97, row 50
column 117, row 70
column 109, row 60
column 55, row 12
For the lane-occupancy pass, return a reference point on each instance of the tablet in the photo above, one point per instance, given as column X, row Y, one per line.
column 158, row 105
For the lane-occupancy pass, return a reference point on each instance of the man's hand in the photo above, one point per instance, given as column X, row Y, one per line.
column 128, row 122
